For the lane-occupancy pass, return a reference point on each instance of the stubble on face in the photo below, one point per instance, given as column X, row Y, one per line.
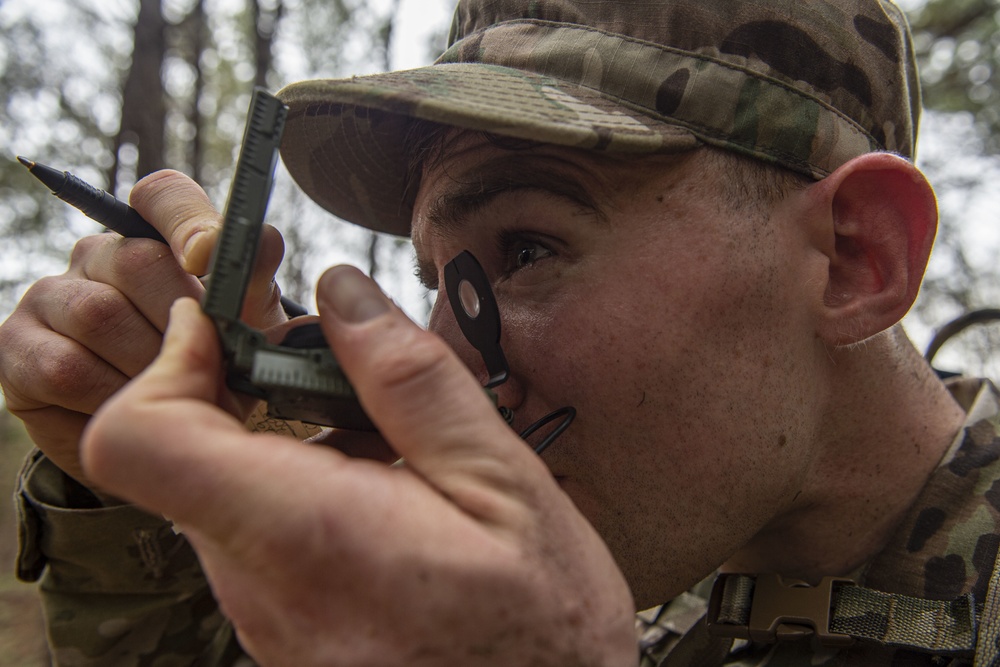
column 663, row 321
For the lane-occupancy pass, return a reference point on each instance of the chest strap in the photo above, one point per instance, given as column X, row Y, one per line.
column 836, row 613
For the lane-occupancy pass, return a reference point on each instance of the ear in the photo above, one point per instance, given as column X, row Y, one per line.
column 882, row 215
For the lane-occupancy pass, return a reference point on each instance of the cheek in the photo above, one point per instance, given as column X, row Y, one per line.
column 646, row 358
column 656, row 338
column 587, row 350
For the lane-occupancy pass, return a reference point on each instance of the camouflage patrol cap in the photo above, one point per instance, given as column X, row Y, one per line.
column 805, row 84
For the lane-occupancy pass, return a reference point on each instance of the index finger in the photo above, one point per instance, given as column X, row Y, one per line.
column 181, row 211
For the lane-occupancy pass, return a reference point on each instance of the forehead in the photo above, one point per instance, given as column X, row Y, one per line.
column 468, row 170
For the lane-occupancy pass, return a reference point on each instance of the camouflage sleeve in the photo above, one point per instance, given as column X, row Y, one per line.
column 118, row 586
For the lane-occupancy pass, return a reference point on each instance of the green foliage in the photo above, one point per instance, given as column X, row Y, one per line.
column 61, row 99
column 958, row 46
column 59, row 103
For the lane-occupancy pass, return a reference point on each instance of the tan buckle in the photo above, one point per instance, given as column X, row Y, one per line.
column 782, row 611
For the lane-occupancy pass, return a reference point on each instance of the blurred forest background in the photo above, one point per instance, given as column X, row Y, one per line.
column 114, row 89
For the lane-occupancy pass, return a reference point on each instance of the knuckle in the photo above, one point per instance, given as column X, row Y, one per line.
column 88, row 246
column 67, row 374
column 40, row 292
column 132, row 259
column 99, row 309
column 15, row 338
column 39, row 368
column 12, row 343
column 7, row 336
column 8, row 384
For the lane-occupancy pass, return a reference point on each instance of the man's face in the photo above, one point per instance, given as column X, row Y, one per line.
column 676, row 325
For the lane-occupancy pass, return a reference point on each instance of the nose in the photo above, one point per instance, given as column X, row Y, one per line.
column 442, row 322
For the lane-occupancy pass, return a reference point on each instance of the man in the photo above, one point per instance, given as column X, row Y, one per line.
column 701, row 235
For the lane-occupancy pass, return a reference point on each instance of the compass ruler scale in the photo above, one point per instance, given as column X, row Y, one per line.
column 298, row 379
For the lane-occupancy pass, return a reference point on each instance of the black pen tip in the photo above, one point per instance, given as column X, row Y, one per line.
column 26, row 162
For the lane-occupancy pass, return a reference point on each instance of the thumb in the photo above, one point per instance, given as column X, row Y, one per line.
column 419, row 394
column 181, row 211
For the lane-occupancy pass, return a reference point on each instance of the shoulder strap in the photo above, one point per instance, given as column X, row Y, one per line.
column 837, row 612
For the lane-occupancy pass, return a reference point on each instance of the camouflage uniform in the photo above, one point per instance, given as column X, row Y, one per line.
column 118, row 586
column 121, row 588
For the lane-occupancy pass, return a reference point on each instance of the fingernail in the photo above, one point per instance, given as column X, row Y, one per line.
column 352, row 295
column 180, row 317
column 177, row 311
column 198, row 250
column 192, row 243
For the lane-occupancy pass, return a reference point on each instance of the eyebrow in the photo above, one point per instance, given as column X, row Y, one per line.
column 475, row 189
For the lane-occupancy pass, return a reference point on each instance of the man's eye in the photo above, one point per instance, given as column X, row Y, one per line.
column 522, row 253
column 529, row 254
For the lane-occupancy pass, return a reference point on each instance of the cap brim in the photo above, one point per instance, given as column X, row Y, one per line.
column 345, row 139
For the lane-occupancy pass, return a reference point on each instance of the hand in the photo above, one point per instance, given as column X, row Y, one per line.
column 76, row 339
column 468, row 554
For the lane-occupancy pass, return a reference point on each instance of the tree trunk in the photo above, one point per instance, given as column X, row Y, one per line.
column 265, row 23
column 144, row 109
column 385, row 45
column 197, row 30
